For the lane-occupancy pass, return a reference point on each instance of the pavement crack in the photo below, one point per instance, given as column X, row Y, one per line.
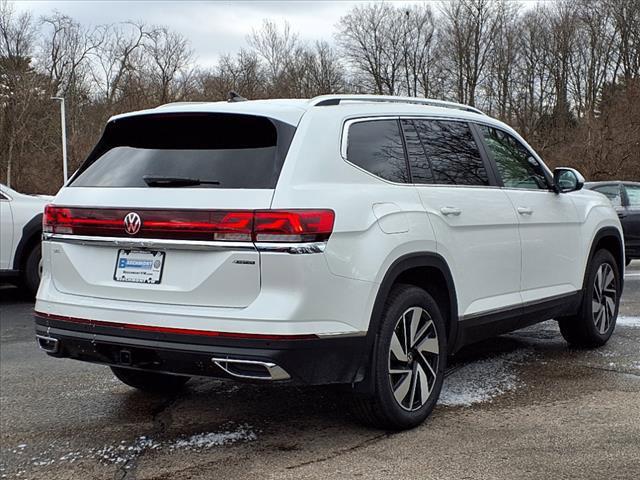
column 343, row 451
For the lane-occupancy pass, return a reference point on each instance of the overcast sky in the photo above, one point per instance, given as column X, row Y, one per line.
column 213, row 27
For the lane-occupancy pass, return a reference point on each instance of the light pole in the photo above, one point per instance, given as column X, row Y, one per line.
column 64, row 137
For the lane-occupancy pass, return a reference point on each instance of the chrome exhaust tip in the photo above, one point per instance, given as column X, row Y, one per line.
column 251, row 369
column 48, row 344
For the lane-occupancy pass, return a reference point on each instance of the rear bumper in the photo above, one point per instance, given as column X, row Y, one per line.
column 304, row 361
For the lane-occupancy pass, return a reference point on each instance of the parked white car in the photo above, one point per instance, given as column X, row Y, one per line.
column 20, row 235
column 356, row 240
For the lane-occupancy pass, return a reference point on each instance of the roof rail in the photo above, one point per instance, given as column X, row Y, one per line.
column 325, row 100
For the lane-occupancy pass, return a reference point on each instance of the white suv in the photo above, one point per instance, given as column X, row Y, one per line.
column 20, row 234
column 356, row 240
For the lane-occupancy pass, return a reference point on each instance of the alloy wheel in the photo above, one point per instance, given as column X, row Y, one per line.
column 413, row 358
column 603, row 300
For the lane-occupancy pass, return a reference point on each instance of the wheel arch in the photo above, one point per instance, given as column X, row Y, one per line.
column 407, row 269
column 31, row 235
column 608, row 238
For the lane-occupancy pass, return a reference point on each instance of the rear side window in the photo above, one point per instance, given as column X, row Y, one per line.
column 217, row 150
column 451, row 153
column 376, row 146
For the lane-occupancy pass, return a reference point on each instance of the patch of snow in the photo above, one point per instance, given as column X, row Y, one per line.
column 482, row 381
column 628, row 321
column 208, row 440
column 125, row 451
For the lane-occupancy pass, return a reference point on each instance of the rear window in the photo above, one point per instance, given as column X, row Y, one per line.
column 218, row 150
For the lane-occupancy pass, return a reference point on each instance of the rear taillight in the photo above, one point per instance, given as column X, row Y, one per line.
column 56, row 220
column 293, row 225
column 232, row 225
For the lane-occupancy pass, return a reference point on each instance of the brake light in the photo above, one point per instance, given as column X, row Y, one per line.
column 293, row 225
column 221, row 225
column 56, row 220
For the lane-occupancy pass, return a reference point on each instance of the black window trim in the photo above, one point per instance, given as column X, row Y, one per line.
column 475, row 127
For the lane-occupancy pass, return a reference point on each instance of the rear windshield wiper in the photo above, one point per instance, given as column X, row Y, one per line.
column 176, row 181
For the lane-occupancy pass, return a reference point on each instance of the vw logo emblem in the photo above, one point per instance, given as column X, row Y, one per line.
column 132, row 223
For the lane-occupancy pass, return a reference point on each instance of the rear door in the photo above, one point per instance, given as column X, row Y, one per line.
column 548, row 222
column 474, row 222
column 631, row 219
column 161, row 210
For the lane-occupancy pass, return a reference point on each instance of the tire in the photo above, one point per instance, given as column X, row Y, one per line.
column 592, row 328
column 150, row 381
column 32, row 269
column 401, row 400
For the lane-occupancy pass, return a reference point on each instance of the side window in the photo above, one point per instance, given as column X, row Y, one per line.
column 376, row 146
column 451, row 153
column 612, row 192
column 633, row 194
column 2, row 197
column 516, row 166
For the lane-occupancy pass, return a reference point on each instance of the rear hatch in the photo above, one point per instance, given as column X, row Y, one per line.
column 162, row 209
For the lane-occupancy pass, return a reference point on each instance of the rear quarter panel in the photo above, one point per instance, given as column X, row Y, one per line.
column 376, row 221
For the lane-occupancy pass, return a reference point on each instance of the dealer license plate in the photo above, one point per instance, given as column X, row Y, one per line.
column 139, row 266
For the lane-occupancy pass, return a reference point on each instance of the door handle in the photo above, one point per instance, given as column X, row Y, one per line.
column 450, row 211
column 525, row 211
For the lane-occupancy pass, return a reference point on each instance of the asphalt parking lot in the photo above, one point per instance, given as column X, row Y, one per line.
column 521, row 406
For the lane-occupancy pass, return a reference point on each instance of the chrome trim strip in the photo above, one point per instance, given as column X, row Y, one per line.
column 147, row 243
column 341, row 334
column 292, row 248
column 274, row 372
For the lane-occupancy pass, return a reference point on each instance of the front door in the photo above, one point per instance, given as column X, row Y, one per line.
column 548, row 222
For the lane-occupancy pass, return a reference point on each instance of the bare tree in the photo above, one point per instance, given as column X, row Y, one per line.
column 417, row 49
column 19, row 88
column 277, row 48
column 626, row 16
column 65, row 52
column 501, row 68
column 468, row 36
column 114, row 59
column 169, row 55
column 370, row 37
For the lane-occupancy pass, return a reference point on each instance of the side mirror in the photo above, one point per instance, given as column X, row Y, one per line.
column 567, row 180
